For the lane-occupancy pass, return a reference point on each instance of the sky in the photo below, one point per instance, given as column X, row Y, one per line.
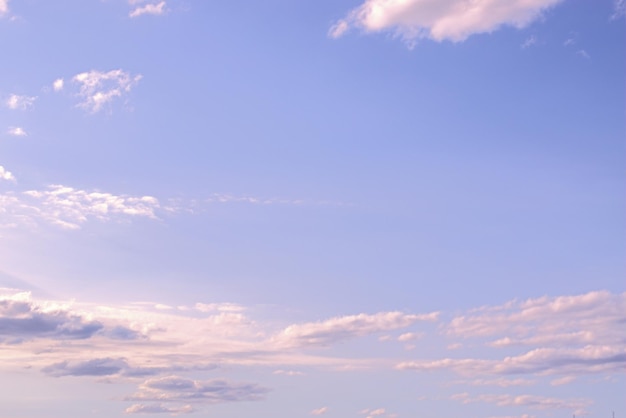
column 333, row 208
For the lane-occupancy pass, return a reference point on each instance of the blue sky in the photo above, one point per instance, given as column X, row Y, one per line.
column 364, row 208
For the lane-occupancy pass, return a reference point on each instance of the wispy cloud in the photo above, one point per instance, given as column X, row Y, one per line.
column 319, row 411
column 98, row 89
column 453, row 20
column 578, row 406
column 148, row 9
column 17, row 102
column 159, row 409
column 69, row 208
column 619, row 9
column 530, row 41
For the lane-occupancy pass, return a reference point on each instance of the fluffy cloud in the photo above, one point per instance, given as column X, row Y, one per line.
column 16, row 131
column 17, row 102
column 453, row 20
column 58, row 84
column 347, row 327
column 149, row 9
column 5, row 175
column 97, row 89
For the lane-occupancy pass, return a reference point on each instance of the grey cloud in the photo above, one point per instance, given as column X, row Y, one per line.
column 21, row 320
column 178, row 389
column 158, row 409
column 95, row 367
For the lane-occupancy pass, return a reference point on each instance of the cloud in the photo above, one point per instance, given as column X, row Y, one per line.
column 179, row 389
column 453, row 20
column 6, row 175
column 97, row 89
column 149, row 9
column 530, row 41
column 593, row 317
column 583, row 53
column 619, row 9
column 22, row 319
column 17, row 102
column 69, row 208
column 58, row 84
column 288, row 372
column 16, row 131
column 319, row 411
column 531, row 401
column 158, row 409
column 96, row 367
column 4, row 7
column 346, row 327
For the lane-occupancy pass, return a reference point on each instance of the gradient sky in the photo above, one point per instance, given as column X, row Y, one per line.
column 338, row 208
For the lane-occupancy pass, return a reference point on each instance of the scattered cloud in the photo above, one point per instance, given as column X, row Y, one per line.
column 17, row 102
column 5, row 175
column 58, row 84
column 16, row 131
column 97, row 89
column 453, row 20
column 319, row 411
column 346, row 327
column 163, row 346
column 148, row 9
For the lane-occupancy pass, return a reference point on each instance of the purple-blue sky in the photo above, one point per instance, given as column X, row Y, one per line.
column 364, row 208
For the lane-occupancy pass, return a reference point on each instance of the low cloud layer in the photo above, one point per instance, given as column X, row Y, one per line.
column 452, row 20
column 162, row 349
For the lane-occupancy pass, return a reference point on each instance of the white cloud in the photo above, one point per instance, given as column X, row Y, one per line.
column 58, row 84
column 16, row 131
column 346, row 327
column 158, row 409
column 69, row 208
column 531, row 401
column 440, row 20
column 17, row 102
column 4, row 7
column 319, row 411
column 6, row 175
column 97, row 89
column 150, row 9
